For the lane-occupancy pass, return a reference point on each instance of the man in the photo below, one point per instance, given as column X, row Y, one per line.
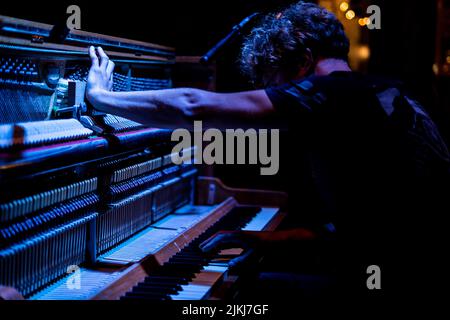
column 377, row 165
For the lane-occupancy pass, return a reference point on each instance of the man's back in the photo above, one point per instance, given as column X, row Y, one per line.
column 378, row 166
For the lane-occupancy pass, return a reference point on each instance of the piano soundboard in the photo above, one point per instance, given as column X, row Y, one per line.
column 96, row 198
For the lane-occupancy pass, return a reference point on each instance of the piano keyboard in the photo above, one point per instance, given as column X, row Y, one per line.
column 213, row 271
column 191, row 274
column 261, row 220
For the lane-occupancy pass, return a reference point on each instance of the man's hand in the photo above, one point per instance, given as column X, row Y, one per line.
column 178, row 107
column 249, row 241
column 100, row 76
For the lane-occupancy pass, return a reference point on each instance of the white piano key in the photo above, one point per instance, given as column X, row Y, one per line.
column 222, row 268
column 194, row 291
column 262, row 219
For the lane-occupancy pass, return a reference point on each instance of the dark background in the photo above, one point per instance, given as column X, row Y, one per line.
column 403, row 48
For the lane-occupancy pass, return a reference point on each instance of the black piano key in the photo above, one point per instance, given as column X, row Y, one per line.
column 181, row 268
column 166, row 279
column 157, row 288
column 143, row 296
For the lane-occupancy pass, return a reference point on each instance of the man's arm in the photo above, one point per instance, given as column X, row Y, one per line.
column 258, row 239
column 175, row 108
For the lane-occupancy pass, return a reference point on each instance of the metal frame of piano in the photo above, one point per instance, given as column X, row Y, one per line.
column 120, row 277
column 134, row 273
column 114, row 164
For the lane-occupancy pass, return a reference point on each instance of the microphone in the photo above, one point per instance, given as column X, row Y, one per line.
column 236, row 31
column 60, row 31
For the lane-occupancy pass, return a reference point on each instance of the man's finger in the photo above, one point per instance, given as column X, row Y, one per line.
column 211, row 243
column 104, row 59
column 222, row 241
column 93, row 56
column 110, row 68
column 239, row 262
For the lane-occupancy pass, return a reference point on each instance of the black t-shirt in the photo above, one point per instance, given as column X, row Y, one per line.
column 364, row 158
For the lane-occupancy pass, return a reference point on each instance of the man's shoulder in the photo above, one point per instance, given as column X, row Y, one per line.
column 343, row 81
column 317, row 92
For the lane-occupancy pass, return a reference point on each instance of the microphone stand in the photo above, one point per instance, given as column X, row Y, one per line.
column 235, row 32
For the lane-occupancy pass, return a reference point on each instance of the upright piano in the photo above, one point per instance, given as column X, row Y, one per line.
column 91, row 205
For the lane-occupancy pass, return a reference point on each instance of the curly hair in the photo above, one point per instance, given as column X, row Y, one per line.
column 282, row 40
